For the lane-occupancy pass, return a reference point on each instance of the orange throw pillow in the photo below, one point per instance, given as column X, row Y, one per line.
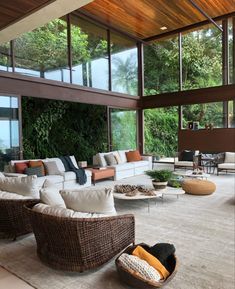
column 20, row 167
column 133, row 156
column 153, row 261
column 33, row 164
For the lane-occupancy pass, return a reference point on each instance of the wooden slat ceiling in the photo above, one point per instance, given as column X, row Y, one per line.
column 144, row 18
column 13, row 10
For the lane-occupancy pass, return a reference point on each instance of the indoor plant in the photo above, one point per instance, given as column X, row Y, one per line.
column 160, row 178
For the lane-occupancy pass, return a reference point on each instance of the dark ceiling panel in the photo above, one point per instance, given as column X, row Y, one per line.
column 144, row 18
column 13, row 10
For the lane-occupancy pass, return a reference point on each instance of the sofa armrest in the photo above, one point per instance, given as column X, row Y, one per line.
column 14, row 175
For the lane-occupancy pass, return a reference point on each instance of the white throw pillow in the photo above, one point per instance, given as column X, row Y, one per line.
column 122, row 155
column 25, row 186
column 2, row 175
column 90, row 201
column 229, row 157
column 51, row 168
column 117, row 157
column 51, row 196
column 74, row 161
column 101, row 160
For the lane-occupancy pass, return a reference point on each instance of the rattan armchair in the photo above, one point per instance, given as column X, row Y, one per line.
column 14, row 220
column 73, row 244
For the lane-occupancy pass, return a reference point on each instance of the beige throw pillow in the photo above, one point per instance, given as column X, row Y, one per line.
column 229, row 157
column 51, row 168
column 110, row 159
column 25, row 186
column 2, row 175
column 90, row 201
column 51, row 197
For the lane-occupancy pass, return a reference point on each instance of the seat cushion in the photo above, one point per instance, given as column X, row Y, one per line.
column 184, row 163
column 228, row 166
column 140, row 164
column 70, row 176
column 123, row 167
column 53, row 179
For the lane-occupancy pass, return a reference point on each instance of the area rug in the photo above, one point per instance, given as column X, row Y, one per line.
column 200, row 227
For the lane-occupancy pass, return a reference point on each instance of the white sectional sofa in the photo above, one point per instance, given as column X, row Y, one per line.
column 63, row 180
column 124, row 169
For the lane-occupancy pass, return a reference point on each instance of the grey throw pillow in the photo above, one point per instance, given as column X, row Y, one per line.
column 34, row 171
column 110, row 159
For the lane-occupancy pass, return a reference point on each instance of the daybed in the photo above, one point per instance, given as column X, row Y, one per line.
column 123, row 168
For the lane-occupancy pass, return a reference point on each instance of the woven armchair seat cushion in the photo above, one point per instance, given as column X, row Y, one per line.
column 12, row 196
column 198, row 187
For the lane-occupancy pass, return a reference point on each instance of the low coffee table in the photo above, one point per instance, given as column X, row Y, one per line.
column 101, row 174
column 138, row 196
column 189, row 174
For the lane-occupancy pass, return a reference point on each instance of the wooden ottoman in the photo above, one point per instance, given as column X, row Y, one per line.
column 198, row 187
column 100, row 174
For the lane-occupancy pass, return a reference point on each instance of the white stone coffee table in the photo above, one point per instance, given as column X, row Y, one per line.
column 189, row 174
column 171, row 191
column 138, row 196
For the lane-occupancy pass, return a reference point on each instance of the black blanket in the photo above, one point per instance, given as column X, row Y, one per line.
column 69, row 166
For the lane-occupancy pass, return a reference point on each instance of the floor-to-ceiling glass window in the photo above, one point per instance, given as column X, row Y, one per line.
column 206, row 115
column 161, row 131
column 202, row 57
column 123, row 129
column 231, row 51
column 89, row 54
column 43, row 52
column 124, row 64
column 9, row 129
column 231, row 113
column 161, row 66
column 5, row 57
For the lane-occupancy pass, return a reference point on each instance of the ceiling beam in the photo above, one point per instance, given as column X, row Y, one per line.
column 53, row 10
column 205, row 14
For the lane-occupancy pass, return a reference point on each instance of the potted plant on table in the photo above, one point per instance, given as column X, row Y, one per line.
column 160, row 178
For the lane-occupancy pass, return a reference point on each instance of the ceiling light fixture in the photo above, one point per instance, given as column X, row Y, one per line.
column 163, row 28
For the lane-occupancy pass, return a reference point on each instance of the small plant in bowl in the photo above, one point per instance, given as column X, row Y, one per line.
column 160, row 178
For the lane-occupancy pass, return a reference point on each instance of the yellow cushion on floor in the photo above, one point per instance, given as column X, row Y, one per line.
column 198, row 187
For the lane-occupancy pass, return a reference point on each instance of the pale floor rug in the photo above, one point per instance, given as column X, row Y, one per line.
column 200, row 227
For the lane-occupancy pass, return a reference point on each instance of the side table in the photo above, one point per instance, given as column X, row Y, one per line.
column 101, row 174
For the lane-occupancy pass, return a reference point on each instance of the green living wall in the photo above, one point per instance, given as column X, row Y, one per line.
column 53, row 128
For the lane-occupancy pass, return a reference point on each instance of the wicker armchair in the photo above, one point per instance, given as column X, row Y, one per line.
column 14, row 220
column 74, row 244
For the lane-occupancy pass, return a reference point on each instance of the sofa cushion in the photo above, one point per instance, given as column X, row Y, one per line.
column 140, row 164
column 63, row 212
column 122, row 155
column 110, row 159
column 25, row 186
column 58, row 161
column 12, row 196
column 229, row 157
column 51, row 168
column 123, row 167
column 228, row 166
column 39, row 163
column 37, row 171
column 53, row 179
column 90, row 201
column 70, row 176
column 20, row 167
column 187, row 156
column 101, row 160
column 133, row 156
column 74, row 161
column 49, row 195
